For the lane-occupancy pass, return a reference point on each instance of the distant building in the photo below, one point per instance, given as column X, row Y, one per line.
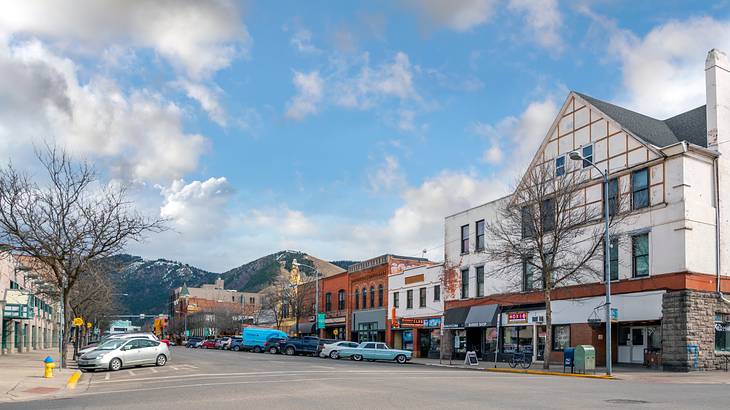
column 122, row 326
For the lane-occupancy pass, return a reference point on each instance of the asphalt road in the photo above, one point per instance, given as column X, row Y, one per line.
column 209, row 379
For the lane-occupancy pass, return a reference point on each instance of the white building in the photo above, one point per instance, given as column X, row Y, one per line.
column 415, row 298
column 668, row 261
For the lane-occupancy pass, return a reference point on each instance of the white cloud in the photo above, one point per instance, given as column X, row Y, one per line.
column 388, row 176
column 406, row 120
column 197, row 208
column 493, row 155
column 663, row 72
column 458, row 15
column 199, row 37
column 310, row 88
column 301, row 40
column 544, row 20
column 286, row 223
column 207, row 98
column 138, row 132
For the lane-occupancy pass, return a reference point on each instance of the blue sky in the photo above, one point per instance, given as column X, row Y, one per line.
column 344, row 129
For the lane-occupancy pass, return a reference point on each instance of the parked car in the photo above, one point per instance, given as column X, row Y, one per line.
column 193, row 342
column 208, row 344
column 272, row 345
column 117, row 353
column 332, row 350
column 230, row 341
column 237, row 344
column 323, row 342
column 299, row 345
column 373, row 351
column 221, row 343
column 254, row 338
column 91, row 347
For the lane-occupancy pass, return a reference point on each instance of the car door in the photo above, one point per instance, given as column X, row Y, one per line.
column 382, row 352
column 148, row 351
column 369, row 351
column 130, row 352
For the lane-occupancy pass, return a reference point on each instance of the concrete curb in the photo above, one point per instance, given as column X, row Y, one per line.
column 73, row 380
column 547, row 373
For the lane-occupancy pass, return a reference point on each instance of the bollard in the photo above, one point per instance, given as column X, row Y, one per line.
column 49, row 366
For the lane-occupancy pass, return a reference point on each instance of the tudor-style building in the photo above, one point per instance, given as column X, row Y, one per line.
column 673, row 260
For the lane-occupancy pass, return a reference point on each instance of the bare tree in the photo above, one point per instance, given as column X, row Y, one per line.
column 68, row 223
column 275, row 300
column 549, row 234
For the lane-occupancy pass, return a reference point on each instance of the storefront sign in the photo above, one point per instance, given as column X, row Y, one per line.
column 432, row 322
column 410, row 322
column 516, row 317
column 413, row 322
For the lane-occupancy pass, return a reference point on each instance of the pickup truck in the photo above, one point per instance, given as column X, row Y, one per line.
column 299, row 345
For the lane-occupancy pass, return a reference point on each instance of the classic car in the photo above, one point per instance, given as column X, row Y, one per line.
column 373, row 351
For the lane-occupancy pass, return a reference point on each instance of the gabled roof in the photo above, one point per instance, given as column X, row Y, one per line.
column 690, row 126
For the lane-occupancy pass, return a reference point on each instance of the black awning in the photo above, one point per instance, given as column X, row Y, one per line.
column 482, row 316
column 454, row 318
column 303, row 329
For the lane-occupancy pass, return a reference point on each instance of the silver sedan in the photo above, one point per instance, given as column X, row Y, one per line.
column 118, row 353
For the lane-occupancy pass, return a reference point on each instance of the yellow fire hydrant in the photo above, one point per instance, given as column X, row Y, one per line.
column 49, row 365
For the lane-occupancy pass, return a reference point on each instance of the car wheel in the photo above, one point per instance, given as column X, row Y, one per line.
column 257, row 349
column 400, row 359
column 273, row 350
column 290, row 351
column 115, row 364
column 334, row 354
column 161, row 360
column 236, row 348
column 357, row 357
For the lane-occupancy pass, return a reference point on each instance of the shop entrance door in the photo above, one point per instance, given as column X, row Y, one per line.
column 631, row 344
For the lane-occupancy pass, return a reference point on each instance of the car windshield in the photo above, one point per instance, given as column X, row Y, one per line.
column 112, row 344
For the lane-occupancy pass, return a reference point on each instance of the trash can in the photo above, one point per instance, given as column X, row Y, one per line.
column 568, row 358
column 585, row 358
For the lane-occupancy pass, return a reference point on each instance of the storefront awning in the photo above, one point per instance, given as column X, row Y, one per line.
column 482, row 316
column 303, row 329
column 455, row 318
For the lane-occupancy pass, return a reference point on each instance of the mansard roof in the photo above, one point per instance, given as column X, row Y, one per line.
column 690, row 126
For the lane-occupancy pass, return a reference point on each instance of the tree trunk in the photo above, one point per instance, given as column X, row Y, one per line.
column 548, row 331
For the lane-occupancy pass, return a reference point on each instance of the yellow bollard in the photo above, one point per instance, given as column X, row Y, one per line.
column 49, row 365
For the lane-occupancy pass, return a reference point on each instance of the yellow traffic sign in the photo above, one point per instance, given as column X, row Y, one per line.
column 78, row 321
column 89, row 325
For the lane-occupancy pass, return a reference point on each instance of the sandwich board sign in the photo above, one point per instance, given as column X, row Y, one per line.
column 471, row 358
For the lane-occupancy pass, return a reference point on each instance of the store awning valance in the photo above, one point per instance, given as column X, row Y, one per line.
column 455, row 318
column 482, row 316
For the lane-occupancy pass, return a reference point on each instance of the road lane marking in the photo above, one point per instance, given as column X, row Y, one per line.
column 108, row 376
column 153, row 370
column 175, row 368
column 131, row 373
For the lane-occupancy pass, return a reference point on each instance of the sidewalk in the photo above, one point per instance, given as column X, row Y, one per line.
column 627, row 373
column 21, row 376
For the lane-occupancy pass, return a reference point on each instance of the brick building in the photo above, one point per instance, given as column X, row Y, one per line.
column 333, row 303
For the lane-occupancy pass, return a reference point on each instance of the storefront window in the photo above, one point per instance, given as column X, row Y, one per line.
column 722, row 333
column 490, row 340
column 408, row 340
column 460, row 341
column 517, row 339
column 561, row 337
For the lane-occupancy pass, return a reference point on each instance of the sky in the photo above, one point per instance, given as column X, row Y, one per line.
column 343, row 129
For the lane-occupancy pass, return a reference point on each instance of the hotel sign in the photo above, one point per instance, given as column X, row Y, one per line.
column 417, row 323
column 516, row 317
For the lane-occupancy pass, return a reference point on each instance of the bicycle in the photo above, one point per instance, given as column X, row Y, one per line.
column 521, row 359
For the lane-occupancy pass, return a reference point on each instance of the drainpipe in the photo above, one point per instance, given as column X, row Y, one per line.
column 717, row 230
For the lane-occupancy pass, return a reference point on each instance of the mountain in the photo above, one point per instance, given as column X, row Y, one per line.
column 148, row 283
column 344, row 264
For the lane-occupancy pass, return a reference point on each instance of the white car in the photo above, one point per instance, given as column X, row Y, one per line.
column 117, row 353
column 333, row 350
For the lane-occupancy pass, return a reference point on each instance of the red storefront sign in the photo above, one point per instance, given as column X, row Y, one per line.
column 411, row 322
column 517, row 317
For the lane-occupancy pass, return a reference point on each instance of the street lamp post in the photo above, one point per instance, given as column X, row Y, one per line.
column 576, row 156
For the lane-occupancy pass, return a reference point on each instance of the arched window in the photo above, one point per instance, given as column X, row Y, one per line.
column 372, row 297
column 341, row 299
column 380, row 295
column 364, row 298
column 357, row 299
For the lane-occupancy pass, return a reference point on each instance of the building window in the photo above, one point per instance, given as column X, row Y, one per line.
column 437, row 293
column 480, row 281
column 327, row 302
column 528, row 276
column 341, row 299
column 422, row 297
column 587, row 152
column 561, row 337
column 527, row 228
column 464, row 283
column 357, row 299
column 364, row 298
column 396, row 301
column 560, row 166
column 548, row 215
column 612, row 196
column 372, row 297
column 612, row 261
column 640, row 255
column 640, row 189
column 409, row 299
column 465, row 239
column 380, row 295
column 722, row 333
column 480, row 235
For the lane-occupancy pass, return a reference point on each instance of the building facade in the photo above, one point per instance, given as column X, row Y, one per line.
column 333, row 303
column 416, row 310
column 669, row 266
column 30, row 319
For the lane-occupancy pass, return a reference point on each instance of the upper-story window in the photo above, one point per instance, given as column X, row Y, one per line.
column 640, row 255
column 437, row 293
column 341, row 299
column 612, row 196
column 548, row 214
column 465, row 239
column 612, row 261
column 396, row 300
column 640, row 189
column 560, row 166
column 528, row 276
column 364, row 298
column 480, row 281
column 380, row 295
column 464, row 283
column 357, row 299
column 527, row 228
column 409, row 299
column 422, row 297
column 587, row 152
column 480, row 235
column 327, row 302
column 372, row 297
